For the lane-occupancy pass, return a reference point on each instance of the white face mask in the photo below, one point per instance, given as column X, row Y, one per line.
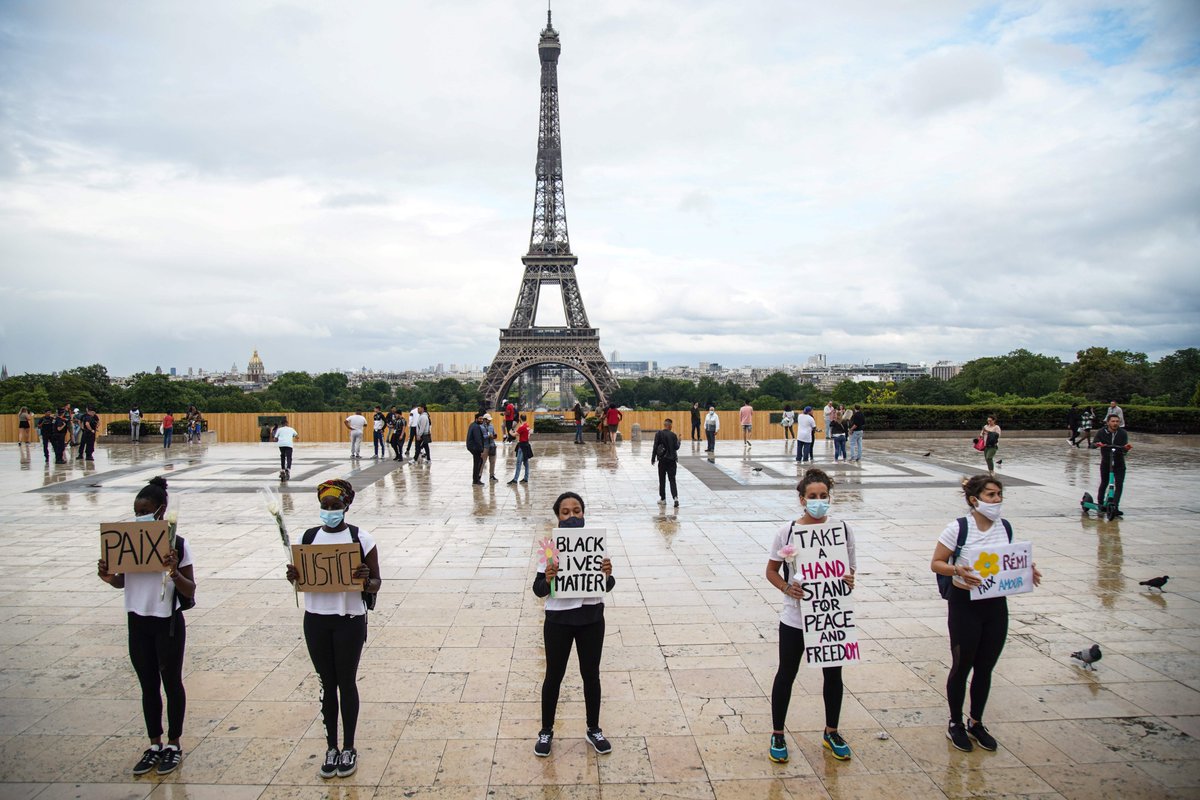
column 989, row 510
column 145, row 517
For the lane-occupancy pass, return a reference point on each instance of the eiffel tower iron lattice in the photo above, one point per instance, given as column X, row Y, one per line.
column 524, row 345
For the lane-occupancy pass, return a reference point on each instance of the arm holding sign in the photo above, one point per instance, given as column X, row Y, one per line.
column 541, row 581
column 116, row 581
column 183, row 577
column 942, row 566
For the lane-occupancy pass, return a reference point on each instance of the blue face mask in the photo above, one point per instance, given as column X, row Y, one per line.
column 332, row 517
column 817, row 509
column 571, row 522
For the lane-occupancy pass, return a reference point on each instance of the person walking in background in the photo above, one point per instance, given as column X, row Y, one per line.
column 1087, row 421
column 524, row 451
column 423, row 431
column 612, row 419
column 858, row 421
column 378, row 426
column 1113, row 442
column 1114, row 410
column 1073, row 418
column 990, row 433
column 135, row 424
column 746, row 418
column 60, row 436
column 806, row 429
column 90, row 423
column 978, row 628
column 828, row 413
column 168, row 429
column 396, row 425
column 285, row 435
column 695, row 421
column 787, row 420
column 46, row 431
column 476, row 446
column 712, row 424
column 24, row 426
column 489, row 442
column 666, row 453
column 356, row 423
column 414, row 415
column 838, row 429
column 510, row 420
column 578, row 423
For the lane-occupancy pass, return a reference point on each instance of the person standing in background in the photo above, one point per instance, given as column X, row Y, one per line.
column 858, row 421
column 829, row 412
column 578, row 423
column 24, row 426
column 712, row 424
column 489, row 441
column 695, row 421
column 378, row 424
column 168, row 429
column 90, row 422
column 806, row 429
column 285, row 436
column 746, row 417
column 1114, row 410
column 396, row 425
column 135, row 424
column 355, row 423
column 787, row 420
column 46, row 431
column 666, row 453
column 424, row 433
column 476, row 446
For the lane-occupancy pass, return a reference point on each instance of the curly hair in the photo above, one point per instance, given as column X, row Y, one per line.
column 812, row 476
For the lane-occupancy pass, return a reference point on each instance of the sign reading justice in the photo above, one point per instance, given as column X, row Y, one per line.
column 134, row 546
column 820, row 559
column 327, row 567
column 579, row 557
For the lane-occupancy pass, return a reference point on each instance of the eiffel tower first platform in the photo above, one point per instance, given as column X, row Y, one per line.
column 524, row 345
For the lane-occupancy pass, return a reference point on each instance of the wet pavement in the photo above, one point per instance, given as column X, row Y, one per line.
column 451, row 674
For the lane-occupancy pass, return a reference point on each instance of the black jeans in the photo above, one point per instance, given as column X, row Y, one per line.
column 476, row 466
column 423, row 447
column 378, row 443
column 791, row 651
column 285, row 457
column 712, row 439
column 397, row 442
column 666, row 469
column 335, row 645
column 978, row 629
column 1118, row 476
column 589, row 645
column 157, row 655
column 87, row 445
column 695, row 430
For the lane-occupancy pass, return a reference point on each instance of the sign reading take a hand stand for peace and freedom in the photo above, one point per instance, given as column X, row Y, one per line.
column 819, row 558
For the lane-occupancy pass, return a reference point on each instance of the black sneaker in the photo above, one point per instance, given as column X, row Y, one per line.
column 542, row 748
column 330, row 767
column 980, row 734
column 171, row 756
column 149, row 760
column 348, row 763
column 957, row 735
column 596, row 737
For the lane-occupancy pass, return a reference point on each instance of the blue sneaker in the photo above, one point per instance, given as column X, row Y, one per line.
column 778, row 752
column 837, row 745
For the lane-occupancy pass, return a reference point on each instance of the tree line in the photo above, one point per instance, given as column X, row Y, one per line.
column 1017, row 378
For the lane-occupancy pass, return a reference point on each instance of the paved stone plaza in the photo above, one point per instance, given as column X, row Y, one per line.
column 450, row 677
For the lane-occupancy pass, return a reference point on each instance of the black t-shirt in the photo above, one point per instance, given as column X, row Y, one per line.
column 46, row 425
column 91, row 421
column 858, row 421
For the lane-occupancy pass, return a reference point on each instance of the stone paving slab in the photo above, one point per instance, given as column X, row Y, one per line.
column 451, row 673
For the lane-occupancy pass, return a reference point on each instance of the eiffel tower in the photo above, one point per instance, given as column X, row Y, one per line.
column 523, row 345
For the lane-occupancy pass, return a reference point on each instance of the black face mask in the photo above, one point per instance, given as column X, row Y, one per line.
column 571, row 522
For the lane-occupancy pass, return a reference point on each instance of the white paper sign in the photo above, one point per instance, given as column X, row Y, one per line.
column 821, row 560
column 580, row 553
column 1005, row 569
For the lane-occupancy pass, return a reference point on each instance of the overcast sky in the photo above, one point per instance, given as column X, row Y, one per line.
column 751, row 182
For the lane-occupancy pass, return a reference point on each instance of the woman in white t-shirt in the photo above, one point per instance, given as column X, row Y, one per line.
column 335, row 628
column 157, row 633
column 814, row 491
column 978, row 628
column 787, row 421
column 578, row 621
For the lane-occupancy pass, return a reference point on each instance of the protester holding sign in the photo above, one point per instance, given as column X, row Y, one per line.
column 807, row 586
column 978, row 628
column 576, row 620
column 335, row 626
column 157, row 633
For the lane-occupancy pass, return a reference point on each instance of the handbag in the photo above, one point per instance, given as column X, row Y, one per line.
column 980, row 444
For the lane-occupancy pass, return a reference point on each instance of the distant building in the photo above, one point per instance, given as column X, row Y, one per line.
column 633, row 367
column 945, row 370
column 255, row 372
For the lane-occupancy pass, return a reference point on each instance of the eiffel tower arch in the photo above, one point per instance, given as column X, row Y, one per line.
column 523, row 344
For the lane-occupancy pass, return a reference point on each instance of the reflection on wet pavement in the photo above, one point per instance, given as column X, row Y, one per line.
column 451, row 674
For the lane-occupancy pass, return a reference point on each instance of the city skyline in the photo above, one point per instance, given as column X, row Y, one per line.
column 940, row 182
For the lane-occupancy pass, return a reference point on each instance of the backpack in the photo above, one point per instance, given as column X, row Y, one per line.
column 946, row 582
column 368, row 598
column 182, row 603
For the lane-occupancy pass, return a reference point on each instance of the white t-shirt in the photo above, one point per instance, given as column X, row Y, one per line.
column 356, row 422
column 135, row 415
column 805, row 425
column 995, row 535
column 378, row 423
column 285, row 436
column 790, row 615
column 143, row 588
column 339, row 603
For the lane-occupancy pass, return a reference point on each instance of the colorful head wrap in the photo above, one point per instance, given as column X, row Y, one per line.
column 338, row 488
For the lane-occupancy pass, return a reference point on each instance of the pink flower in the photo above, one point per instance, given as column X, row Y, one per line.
column 547, row 552
column 788, row 552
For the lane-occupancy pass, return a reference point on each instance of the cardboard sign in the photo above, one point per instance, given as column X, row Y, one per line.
column 580, row 552
column 821, row 561
column 1005, row 569
column 327, row 567
column 134, row 546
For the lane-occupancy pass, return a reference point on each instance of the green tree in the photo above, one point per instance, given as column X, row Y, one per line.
column 332, row 385
column 928, row 391
column 1177, row 375
column 1102, row 375
column 849, row 392
column 766, row 402
column 882, row 394
column 157, row 394
column 780, row 384
column 1020, row 372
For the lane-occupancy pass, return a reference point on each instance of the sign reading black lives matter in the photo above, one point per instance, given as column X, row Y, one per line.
column 822, row 560
column 580, row 554
column 134, row 546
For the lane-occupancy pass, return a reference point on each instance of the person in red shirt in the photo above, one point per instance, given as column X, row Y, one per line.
column 510, row 417
column 168, row 428
column 524, row 451
column 612, row 418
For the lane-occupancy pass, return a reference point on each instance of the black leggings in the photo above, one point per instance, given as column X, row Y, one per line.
column 978, row 629
column 791, row 651
column 335, row 644
column 589, row 644
column 157, row 655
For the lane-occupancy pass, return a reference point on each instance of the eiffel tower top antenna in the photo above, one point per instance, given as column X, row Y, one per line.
column 549, row 233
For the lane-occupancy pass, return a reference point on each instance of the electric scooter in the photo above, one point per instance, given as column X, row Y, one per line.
column 1109, row 507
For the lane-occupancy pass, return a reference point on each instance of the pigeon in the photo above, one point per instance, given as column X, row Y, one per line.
column 999, row 460
column 1088, row 657
column 1156, row 583
column 927, row 455
column 757, row 469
